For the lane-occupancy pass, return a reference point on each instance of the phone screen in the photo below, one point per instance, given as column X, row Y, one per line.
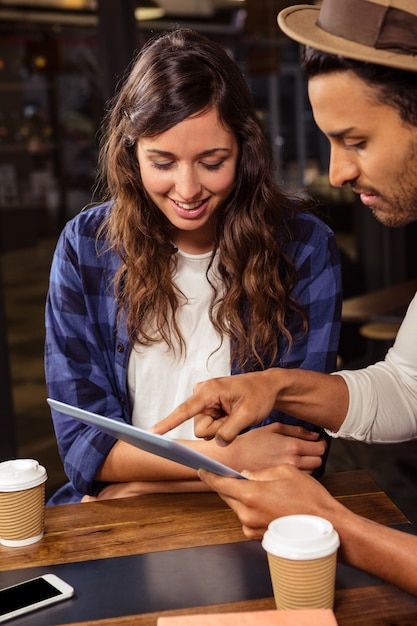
column 25, row 594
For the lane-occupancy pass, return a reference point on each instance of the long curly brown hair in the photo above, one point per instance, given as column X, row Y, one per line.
column 174, row 76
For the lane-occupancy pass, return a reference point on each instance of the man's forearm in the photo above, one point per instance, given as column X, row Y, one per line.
column 322, row 399
column 382, row 551
column 224, row 407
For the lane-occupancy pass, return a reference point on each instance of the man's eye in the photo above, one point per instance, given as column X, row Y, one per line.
column 356, row 146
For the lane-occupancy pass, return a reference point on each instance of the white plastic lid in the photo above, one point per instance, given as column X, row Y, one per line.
column 20, row 474
column 300, row 537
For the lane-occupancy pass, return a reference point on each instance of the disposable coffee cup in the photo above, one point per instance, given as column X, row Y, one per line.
column 22, row 502
column 302, row 552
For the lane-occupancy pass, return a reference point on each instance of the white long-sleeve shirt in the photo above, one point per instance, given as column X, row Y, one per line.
column 383, row 397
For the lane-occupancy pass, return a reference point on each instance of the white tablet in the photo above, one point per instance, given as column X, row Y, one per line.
column 150, row 442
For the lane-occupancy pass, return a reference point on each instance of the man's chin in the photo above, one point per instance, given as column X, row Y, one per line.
column 392, row 221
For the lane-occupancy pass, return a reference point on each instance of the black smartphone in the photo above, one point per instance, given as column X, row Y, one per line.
column 32, row 594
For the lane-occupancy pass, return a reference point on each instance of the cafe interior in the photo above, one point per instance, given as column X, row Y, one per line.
column 60, row 62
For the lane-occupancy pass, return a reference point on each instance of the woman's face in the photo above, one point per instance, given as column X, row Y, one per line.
column 189, row 171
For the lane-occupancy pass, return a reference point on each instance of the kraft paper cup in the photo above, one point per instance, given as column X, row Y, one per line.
column 302, row 552
column 22, row 502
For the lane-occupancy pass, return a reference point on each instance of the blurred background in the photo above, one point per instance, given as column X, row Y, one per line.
column 60, row 63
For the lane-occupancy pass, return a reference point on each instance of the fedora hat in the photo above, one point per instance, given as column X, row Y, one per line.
column 374, row 31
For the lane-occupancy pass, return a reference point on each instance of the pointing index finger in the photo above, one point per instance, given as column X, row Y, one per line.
column 184, row 411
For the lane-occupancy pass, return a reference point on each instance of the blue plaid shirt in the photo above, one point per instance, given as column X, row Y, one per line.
column 87, row 353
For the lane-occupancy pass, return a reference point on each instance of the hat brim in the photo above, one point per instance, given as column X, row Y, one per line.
column 300, row 23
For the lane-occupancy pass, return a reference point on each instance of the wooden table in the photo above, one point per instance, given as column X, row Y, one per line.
column 148, row 524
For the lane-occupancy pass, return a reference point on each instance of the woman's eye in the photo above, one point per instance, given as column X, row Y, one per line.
column 162, row 166
column 213, row 166
column 168, row 165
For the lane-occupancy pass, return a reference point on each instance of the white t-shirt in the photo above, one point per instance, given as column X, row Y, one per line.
column 159, row 380
column 383, row 397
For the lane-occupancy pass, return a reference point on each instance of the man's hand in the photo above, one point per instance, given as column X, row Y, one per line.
column 223, row 407
column 272, row 493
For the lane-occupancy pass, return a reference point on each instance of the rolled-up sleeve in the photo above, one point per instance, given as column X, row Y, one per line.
column 82, row 348
column 383, row 396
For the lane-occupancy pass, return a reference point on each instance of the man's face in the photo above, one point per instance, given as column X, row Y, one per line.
column 371, row 148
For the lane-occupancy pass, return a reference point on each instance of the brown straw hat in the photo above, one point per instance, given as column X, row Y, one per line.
column 376, row 31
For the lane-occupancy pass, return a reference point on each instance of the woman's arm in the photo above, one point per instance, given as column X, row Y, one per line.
column 259, row 448
column 83, row 354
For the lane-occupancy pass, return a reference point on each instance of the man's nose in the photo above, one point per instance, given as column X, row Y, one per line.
column 342, row 168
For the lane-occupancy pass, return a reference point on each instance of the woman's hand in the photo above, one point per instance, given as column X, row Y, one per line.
column 274, row 444
column 145, row 487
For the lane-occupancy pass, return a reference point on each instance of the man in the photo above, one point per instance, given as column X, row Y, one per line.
column 361, row 67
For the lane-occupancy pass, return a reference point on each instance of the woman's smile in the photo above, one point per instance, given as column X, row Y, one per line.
column 190, row 210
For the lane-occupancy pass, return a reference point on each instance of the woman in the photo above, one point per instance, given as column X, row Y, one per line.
column 197, row 265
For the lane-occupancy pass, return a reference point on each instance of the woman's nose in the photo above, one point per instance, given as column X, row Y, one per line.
column 187, row 184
